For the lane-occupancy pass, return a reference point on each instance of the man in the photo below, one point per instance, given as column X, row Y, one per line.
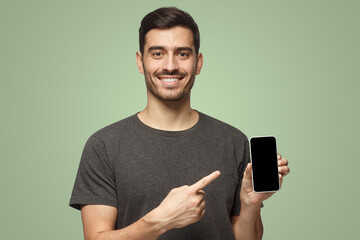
column 145, row 176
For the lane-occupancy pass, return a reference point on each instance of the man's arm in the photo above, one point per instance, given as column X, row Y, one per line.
column 99, row 223
column 181, row 207
column 248, row 224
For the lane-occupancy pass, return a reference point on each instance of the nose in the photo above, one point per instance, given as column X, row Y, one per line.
column 170, row 63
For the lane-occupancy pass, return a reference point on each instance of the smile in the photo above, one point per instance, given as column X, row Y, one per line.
column 169, row 79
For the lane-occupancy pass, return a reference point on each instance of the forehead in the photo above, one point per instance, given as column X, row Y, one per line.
column 169, row 38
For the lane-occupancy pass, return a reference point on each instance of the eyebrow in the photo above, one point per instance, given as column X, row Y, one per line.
column 156, row 48
column 163, row 48
column 184, row 49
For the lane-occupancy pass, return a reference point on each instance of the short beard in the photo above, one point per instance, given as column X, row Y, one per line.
column 170, row 98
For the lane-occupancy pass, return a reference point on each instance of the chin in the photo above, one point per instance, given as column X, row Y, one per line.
column 172, row 98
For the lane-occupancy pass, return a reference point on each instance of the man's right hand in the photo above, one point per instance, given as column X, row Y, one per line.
column 182, row 206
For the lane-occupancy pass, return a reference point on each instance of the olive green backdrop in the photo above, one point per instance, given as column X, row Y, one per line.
column 283, row 67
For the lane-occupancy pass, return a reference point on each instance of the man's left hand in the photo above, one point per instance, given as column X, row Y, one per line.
column 247, row 194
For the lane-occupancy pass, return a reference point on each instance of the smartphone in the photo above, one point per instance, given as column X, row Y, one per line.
column 265, row 172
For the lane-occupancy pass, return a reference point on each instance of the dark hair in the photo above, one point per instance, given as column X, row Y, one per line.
column 168, row 17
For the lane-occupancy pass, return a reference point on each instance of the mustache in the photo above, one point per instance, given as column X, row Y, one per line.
column 170, row 73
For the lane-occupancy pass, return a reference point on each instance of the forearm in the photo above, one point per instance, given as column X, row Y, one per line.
column 146, row 228
column 248, row 225
column 181, row 207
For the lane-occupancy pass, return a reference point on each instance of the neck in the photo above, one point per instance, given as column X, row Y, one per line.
column 169, row 115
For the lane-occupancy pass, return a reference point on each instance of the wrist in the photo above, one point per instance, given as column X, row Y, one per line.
column 250, row 207
column 152, row 220
column 249, row 204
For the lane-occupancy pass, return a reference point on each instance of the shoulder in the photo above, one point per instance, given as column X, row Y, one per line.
column 115, row 131
column 220, row 129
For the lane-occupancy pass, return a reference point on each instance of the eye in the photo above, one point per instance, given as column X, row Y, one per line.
column 184, row 54
column 157, row 54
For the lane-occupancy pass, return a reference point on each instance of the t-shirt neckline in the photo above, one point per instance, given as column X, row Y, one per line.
column 188, row 131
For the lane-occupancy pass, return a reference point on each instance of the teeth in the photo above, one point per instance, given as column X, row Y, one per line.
column 169, row 79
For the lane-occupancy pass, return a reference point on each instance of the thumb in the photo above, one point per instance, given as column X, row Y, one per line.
column 247, row 172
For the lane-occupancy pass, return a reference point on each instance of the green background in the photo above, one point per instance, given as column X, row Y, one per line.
column 285, row 68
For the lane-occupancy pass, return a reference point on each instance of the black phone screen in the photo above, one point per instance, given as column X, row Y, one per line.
column 264, row 164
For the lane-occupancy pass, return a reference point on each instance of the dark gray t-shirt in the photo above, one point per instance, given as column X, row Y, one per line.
column 132, row 167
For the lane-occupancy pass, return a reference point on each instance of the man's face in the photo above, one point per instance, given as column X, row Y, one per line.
column 169, row 63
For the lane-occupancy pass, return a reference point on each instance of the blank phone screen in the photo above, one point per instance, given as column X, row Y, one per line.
column 264, row 164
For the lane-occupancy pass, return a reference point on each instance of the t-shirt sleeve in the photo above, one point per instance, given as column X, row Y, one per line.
column 95, row 182
column 244, row 158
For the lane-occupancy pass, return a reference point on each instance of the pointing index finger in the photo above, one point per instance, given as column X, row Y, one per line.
column 205, row 181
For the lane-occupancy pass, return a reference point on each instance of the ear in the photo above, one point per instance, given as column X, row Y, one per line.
column 200, row 61
column 139, row 62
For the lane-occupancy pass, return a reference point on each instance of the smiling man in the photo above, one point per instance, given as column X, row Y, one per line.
column 145, row 177
column 169, row 63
